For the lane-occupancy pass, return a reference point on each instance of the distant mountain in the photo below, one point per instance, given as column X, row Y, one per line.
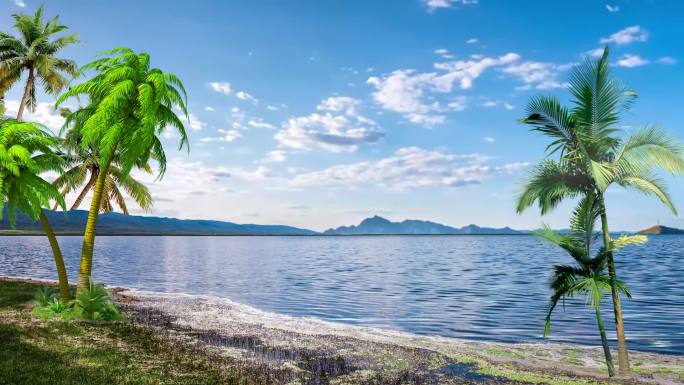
column 115, row 223
column 657, row 230
column 380, row 225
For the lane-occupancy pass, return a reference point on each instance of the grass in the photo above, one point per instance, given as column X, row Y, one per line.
column 59, row 353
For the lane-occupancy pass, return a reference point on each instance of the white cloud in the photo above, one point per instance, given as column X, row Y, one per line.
column 44, row 114
column 221, row 87
column 275, row 156
column 410, row 167
column 667, row 60
column 272, row 108
column 19, row 3
column 443, row 52
column 472, row 40
column 626, row 36
column 495, row 103
column 259, row 123
column 246, row 97
column 228, row 136
column 488, row 139
column 612, row 8
column 339, row 127
column 537, row 75
column 595, row 53
column 193, row 121
column 209, row 109
column 437, row 4
column 405, row 90
column 458, row 103
column 631, row 61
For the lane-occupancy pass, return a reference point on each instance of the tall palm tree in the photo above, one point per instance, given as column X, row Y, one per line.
column 26, row 151
column 81, row 174
column 34, row 52
column 130, row 105
column 587, row 276
column 591, row 157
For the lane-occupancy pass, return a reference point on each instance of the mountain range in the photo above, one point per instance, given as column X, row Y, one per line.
column 380, row 225
column 73, row 222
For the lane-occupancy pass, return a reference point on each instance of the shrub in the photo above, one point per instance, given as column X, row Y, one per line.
column 93, row 303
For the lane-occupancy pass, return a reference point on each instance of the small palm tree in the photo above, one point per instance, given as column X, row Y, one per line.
column 82, row 171
column 27, row 151
column 34, row 52
column 130, row 105
column 592, row 157
column 588, row 275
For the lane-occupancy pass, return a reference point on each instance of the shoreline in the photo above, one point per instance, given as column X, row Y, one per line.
column 286, row 343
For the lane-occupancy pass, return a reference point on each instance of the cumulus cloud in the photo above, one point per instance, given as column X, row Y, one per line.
column 410, row 167
column 631, row 61
column 339, row 127
column 495, row 103
column 228, row 136
column 433, row 5
column 472, row 40
column 488, row 139
column 626, row 36
column 242, row 95
column 275, row 156
column 444, row 53
column 537, row 75
column 612, row 8
column 405, row 90
column 209, row 109
column 667, row 60
column 259, row 123
column 19, row 3
column 221, row 87
column 193, row 121
column 44, row 114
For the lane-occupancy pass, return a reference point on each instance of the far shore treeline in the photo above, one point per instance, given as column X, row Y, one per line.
column 123, row 104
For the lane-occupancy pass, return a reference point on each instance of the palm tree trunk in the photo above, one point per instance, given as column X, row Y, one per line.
column 86, row 188
column 604, row 342
column 64, row 291
column 63, row 280
column 623, row 355
column 27, row 94
column 86, row 265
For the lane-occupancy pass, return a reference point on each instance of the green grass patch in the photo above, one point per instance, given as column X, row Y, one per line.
column 58, row 352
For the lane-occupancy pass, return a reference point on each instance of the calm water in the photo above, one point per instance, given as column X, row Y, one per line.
column 482, row 287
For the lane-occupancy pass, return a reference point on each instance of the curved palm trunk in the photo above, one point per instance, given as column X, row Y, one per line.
column 86, row 265
column 623, row 355
column 84, row 192
column 63, row 280
column 604, row 342
column 27, row 94
column 64, row 291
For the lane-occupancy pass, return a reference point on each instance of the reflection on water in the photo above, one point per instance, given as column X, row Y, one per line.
column 483, row 287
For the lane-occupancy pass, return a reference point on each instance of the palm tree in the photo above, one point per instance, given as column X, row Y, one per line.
column 34, row 52
column 130, row 104
column 26, row 151
column 587, row 276
column 591, row 157
column 82, row 165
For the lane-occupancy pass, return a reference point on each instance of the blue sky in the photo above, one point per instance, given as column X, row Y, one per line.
column 319, row 113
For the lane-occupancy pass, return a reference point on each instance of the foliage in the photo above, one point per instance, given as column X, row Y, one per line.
column 34, row 50
column 83, row 169
column 26, row 151
column 44, row 296
column 93, row 304
column 130, row 104
column 591, row 156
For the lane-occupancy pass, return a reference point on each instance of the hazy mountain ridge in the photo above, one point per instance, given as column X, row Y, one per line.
column 380, row 225
column 116, row 223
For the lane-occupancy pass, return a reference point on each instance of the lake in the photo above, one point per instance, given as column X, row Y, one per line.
column 476, row 287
